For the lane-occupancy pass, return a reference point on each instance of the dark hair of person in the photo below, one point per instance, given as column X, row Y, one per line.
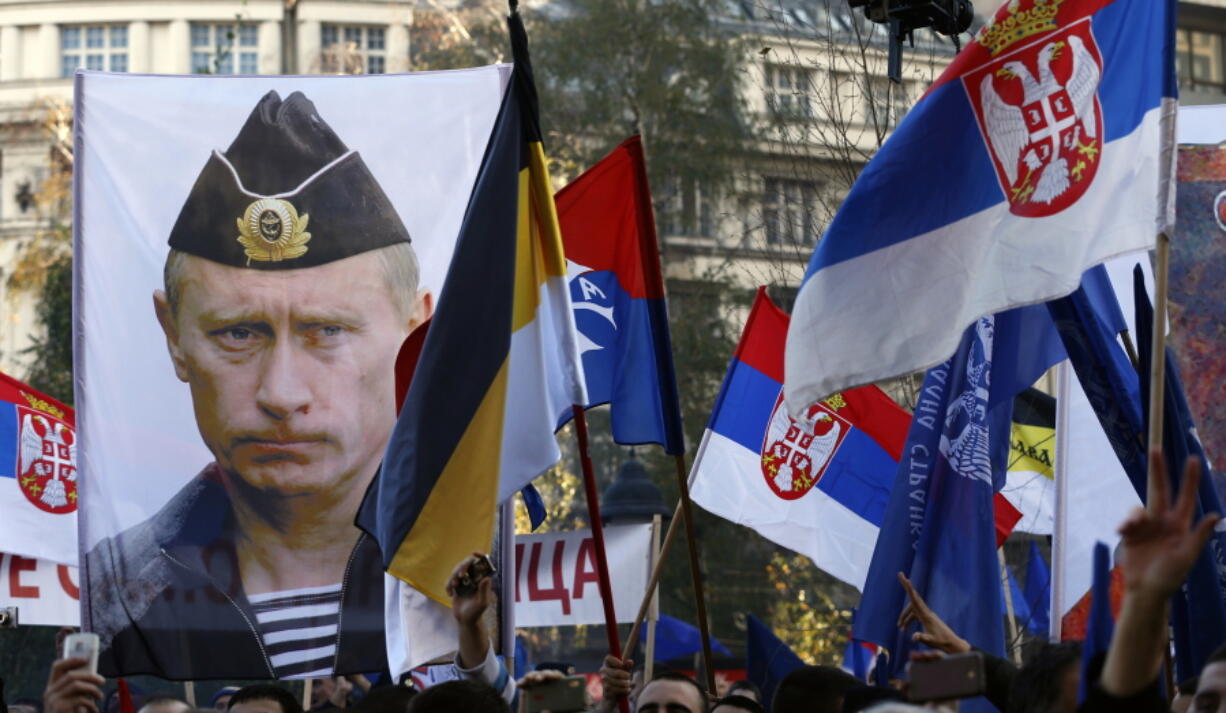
column 1038, row 684
column 459, row 697
column 267, row 692
column 1188, row 686
column 386, row 699
column 745, row 704
column 745, row 685
column 678, row 676
column 1218, row 655
column 864, row 697
column 813, row 689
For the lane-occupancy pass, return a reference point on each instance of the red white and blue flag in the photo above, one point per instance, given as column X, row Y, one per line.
column 817, row 484
column 38, row 474
column 617, row 293
column 1046, row 147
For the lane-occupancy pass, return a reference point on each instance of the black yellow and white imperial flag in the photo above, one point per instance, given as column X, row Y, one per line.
column 251, row 252
column 1030, row 484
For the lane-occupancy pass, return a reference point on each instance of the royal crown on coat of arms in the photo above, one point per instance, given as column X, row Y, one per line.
column 1017, row 24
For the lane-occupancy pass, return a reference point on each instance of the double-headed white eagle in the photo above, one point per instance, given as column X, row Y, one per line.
column 1006, row 126
column 53, row 493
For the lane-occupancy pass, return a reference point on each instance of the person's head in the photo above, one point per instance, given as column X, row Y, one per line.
column 1048, row 682
column 221, row 700
column 1185, row 691
column 1211, row 685
column 813, row 689
column 164, row 704
column 286, row 334
column 863, row 698
column 459, row 697
column 746, row 688
column 671, row 692
column 737, row 704
column 264, row 698
column 386, row 699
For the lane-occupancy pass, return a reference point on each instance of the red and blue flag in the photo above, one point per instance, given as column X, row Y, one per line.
column 617, row 293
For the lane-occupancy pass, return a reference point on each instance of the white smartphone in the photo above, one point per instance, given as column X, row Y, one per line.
column 82, row 645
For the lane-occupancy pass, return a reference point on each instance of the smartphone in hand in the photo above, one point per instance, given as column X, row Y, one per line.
column 83, row 645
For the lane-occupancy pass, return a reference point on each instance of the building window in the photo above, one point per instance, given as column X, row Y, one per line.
column 225, row 48
column 885, row 102
column 686, row 209
column 788, row 90
column 1199, row 56
column 353, row 49
column 98, row 47
column 790, row 212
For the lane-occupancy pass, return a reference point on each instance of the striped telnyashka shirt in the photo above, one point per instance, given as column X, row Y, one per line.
column 299, row 629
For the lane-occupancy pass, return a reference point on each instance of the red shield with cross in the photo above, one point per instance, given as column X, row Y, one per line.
column 795, row 453
column 47, row 461
column 1039, row 115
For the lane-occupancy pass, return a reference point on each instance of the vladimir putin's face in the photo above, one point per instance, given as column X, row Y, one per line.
column 291, row 371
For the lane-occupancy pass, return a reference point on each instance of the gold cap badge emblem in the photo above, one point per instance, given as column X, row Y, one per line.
column 270, row 230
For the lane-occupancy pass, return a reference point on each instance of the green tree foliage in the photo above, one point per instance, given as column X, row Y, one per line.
column 50, row 351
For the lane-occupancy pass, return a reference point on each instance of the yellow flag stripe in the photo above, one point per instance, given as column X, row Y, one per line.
column 458, row 516
column 550, row 238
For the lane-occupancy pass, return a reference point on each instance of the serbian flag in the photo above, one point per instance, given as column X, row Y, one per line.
column 38, row 474
column 617, row 291
column 817, row 484
column 1045, row 147
column 499, row 365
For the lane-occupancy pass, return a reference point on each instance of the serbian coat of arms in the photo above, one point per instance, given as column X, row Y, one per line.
column 1037, row 105
column 795, row 454
column 47, row 461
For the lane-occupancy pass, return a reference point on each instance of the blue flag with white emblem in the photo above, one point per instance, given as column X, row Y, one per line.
column 938, row 527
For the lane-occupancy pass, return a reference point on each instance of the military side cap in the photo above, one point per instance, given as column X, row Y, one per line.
column 287, row 194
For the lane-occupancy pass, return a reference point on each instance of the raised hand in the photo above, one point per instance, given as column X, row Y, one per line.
column 1159, row 545
column 934, row 631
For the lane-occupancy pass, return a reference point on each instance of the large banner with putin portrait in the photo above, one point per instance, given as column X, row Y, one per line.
column 251, row 253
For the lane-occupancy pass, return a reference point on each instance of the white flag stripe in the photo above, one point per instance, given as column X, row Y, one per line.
column 929, row 288
column 288, row 593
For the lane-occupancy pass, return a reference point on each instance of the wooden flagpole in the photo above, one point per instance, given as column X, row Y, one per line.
column 1157, row 366
column 1011, row 616
column 652, row 583
column 306, row 693
column 700, row 601
column 602, row 560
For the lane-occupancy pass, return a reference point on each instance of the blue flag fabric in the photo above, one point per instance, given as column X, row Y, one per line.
column 1021, row 607
column 1101, row 624
column 1088, row 321
column 675, row 638
column 938, row 527
column 1198, row 610
column 767, row 659
column 534, row 504
column 1038, row 592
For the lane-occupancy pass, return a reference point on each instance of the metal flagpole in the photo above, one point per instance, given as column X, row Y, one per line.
column 602, row 560
column 1060, row 526
column 649, row 653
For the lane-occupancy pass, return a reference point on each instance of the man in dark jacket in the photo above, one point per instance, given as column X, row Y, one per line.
column 289, row 287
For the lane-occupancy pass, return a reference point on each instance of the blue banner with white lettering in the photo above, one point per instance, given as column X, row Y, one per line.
column 938, row 528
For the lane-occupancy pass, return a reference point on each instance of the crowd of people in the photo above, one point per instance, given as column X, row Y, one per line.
column 1158, row 547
